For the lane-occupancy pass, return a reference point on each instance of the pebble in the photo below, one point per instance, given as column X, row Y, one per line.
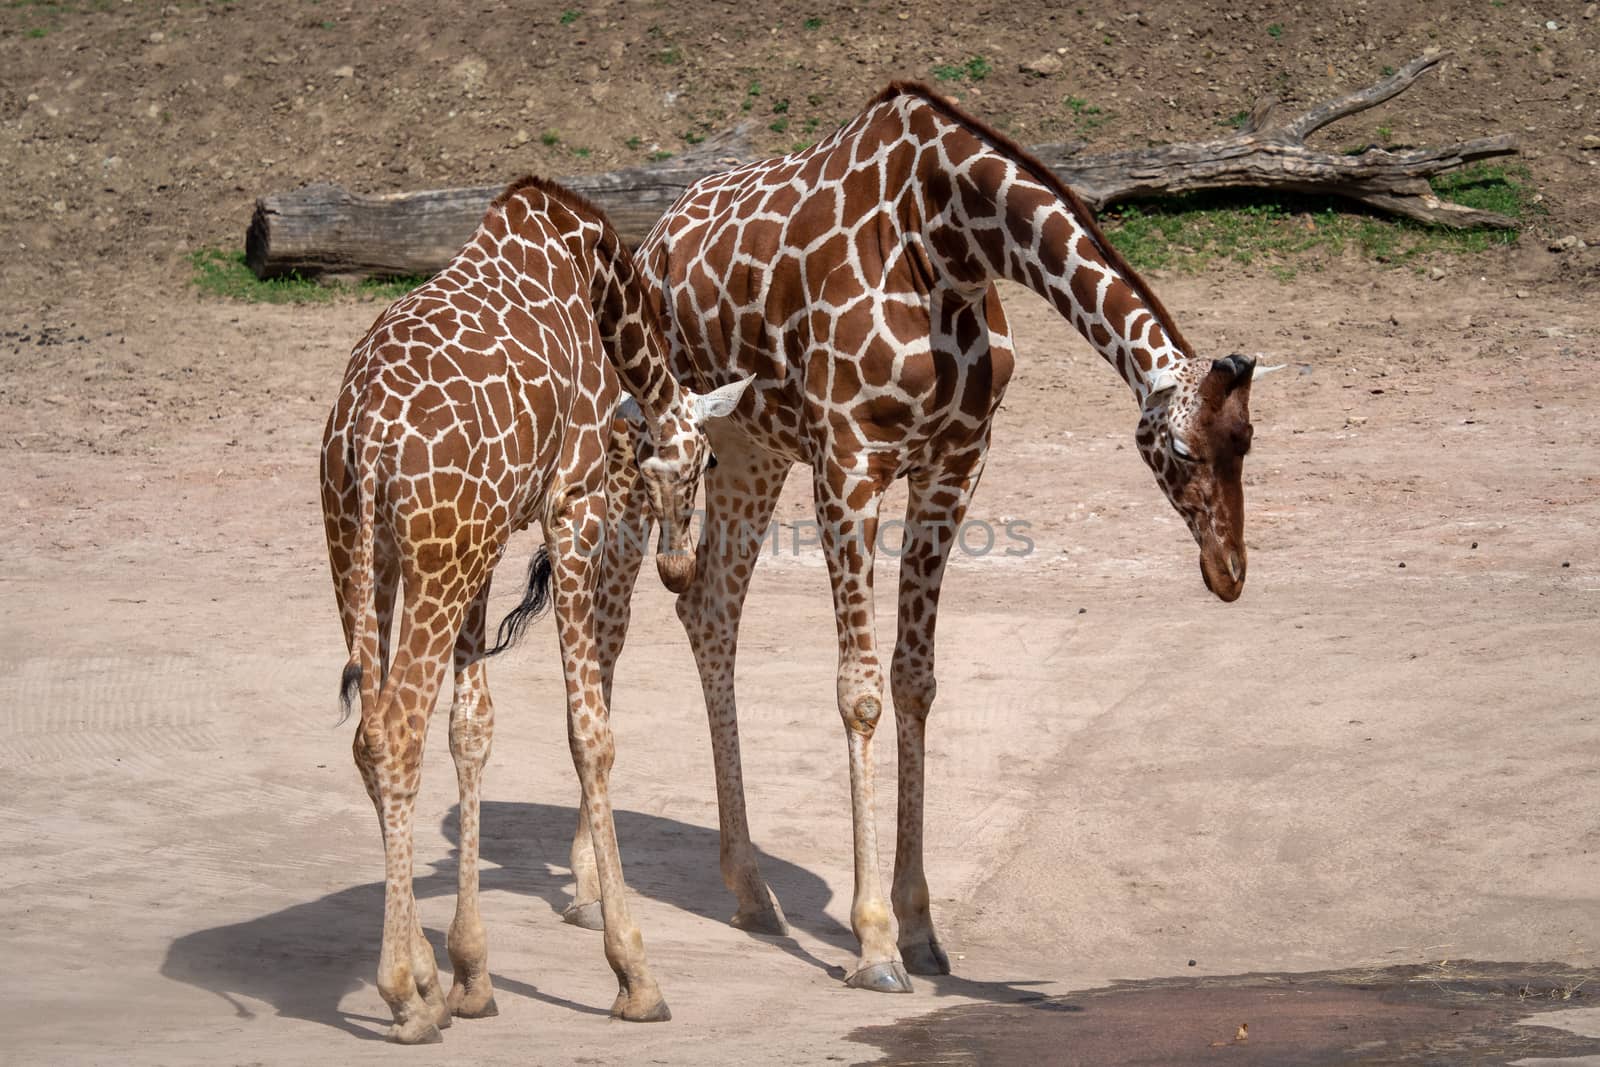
column 1436, row 273
column 346, row 71
column 1523, row 294
column 1402, row 564
column 1043, row 66
column 1565, row 244
column 1474, row 544
column 1552, row 24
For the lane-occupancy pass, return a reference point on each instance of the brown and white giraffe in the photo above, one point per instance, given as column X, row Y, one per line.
column 854, row 280
column 481, row 402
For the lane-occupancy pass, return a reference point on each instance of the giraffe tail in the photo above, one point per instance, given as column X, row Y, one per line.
column 359, row 679
column 534, row 602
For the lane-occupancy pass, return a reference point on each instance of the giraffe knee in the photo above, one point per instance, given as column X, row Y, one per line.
column 914, row 689
column 861, row 712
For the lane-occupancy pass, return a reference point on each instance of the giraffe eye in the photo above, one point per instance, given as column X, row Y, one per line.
column 1181, row 450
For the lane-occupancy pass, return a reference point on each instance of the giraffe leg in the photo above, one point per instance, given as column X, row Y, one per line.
column 575, row 536
column 628, row 524
column 471, row 736
column 741, row 492
column 849, row 538
column 388, row 752
column 934, row 514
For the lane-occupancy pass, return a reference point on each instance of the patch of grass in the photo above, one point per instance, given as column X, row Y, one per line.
column 1236, row 120
column 38, row 32
column 1275, row 30
column 813, row 23
column 692, row 137
column 779, row 125
column 1385, row 134
column 658, row 157
column 550, row 138
column 669, row 57
column 634, row 142
column 223, row 274
column 569, row 16
column 1085, row 116
column 975, row 69
column 581, row 153
column 779, row 107
column 1189, row 233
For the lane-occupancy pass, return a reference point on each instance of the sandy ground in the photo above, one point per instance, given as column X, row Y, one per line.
column 1387, row 752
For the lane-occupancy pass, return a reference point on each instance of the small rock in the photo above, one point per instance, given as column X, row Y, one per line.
column 1394, row 320
column 1567, row 564
column 1552, row 24
column 1436, row 273
column 1474, row 544
column 1043, row 66
column 1355, row 420
column 1191, row 963
column 345, row 71
column 1591, row 142
column 521, row 137
column 1589, row 11
column 231, row 81
column 58, row 206
column 157, row 37
column 1565, row 244
column 1402, row 564
column 1523, row 294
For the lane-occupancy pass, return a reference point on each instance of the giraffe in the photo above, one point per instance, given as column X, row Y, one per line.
column 855, row 281
column 479, row 403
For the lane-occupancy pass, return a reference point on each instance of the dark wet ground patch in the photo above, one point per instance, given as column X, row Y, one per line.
column 1455, row 1013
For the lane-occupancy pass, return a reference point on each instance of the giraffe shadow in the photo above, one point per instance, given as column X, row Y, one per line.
column 303, row 960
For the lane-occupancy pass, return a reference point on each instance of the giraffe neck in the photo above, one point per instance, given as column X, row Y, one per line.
column 989, row 216
column 631, row 332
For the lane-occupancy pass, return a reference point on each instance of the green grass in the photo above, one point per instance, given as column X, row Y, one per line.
column 550, row 138
column 1275, row 31
column 669, row 57
column 1085, row 116
column 813, row 23
column 975, row 69
column 659, row 157
column 569, row 16
column 223, row 274
column 1189, row 233
column 634, row 142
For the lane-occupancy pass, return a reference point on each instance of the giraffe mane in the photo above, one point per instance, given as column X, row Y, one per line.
column 552, row 190
column 1034, row 166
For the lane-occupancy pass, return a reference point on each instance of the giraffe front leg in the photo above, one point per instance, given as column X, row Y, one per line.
column 627, row 535
column 741, row 492
column 471, row 737
column 575, row 538
column 849, row 536
column 936, row 507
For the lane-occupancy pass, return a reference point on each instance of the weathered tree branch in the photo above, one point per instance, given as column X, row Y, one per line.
column 321, row 229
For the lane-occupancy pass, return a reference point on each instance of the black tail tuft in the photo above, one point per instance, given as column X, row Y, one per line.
column 534, row 601
column 349, row 690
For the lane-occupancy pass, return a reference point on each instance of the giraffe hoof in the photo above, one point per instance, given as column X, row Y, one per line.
column 587, row 915
column 416, row 1031
column 886, row 977
column 925, row 957
column 466, row 1003
column 631, row 1010
column 766, row 921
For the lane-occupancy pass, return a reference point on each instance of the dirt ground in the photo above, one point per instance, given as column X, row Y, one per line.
column 1387, row 752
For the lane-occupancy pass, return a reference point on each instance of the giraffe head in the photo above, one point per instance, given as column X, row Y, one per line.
column 1194, row 433
column 672, row 455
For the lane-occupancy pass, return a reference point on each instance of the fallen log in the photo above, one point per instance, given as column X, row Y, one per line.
column 322, row 229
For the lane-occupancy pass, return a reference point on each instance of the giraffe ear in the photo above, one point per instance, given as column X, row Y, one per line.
column 722, row 400
column 631, row 413
column 1260, row 371
column 1162, row 383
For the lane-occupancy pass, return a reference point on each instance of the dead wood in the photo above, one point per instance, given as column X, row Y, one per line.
column 322, row 229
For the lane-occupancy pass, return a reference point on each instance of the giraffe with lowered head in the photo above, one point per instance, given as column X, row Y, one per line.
column 855, row 281
column 480, row 403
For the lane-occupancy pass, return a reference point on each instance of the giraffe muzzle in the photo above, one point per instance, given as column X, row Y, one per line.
column 676, row 569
